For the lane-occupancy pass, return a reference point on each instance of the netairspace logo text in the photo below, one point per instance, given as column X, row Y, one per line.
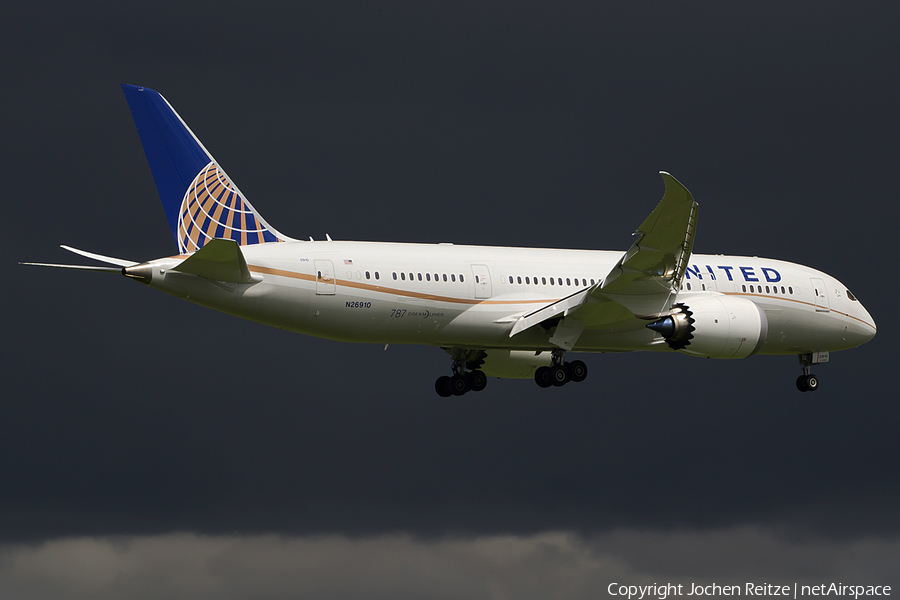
column 663, row 591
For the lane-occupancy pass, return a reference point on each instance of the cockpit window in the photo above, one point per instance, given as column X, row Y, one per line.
column 851, row 296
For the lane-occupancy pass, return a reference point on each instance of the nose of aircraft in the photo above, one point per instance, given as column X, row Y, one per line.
column 864, row 327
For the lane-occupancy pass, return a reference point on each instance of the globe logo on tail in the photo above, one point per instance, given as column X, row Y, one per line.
column 213, row 208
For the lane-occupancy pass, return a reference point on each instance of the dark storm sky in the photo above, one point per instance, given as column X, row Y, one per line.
column 127, row 411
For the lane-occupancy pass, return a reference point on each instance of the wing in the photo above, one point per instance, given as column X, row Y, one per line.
column 648, row 274
column 652, row 269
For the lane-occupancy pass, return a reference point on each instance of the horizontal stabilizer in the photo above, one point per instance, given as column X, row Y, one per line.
column 76, row 267
column 220, row 260
column 107, row 259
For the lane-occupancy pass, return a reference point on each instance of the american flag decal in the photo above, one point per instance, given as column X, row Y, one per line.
column 348, row 262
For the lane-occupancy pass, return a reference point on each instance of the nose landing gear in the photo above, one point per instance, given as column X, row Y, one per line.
column 809, row 382
column 560, row 372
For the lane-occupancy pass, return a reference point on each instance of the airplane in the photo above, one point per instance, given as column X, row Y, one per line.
column 497, row 311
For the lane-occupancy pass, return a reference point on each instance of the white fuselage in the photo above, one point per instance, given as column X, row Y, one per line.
column 470, row 296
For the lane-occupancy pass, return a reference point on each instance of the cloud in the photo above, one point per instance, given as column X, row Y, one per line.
column 546, row 565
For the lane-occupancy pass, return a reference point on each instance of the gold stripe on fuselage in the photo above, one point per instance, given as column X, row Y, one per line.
column 394, row 291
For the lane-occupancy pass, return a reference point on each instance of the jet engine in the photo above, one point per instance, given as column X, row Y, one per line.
column 714, row 327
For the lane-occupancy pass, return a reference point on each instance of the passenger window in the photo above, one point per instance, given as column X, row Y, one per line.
column 782, row 289
column 510, row 279
column 462, row 279
column 427, row 276
column 403, row 276
column 592, row 282
column 419, row 275
column 568, row 281
column 552, row 282
column 851, row 296
column 395, row 276
column 445, row 277
column 584, row 282
column 744, row 288
column 368, row 276
column 527, row 281
column 377, row 276
column 791, row 291
column 767, row 289
column 559, row 279
column 453, row 277
column 689, row 287
column 544, row 280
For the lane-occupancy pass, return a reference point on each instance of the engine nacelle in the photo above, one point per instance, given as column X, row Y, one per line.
column 714, row 327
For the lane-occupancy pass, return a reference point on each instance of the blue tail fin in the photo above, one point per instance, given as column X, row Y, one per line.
column 200, row 200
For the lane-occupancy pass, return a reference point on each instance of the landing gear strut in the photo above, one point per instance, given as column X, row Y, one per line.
column 809, row 382
column 560, row 372
column 461, row 381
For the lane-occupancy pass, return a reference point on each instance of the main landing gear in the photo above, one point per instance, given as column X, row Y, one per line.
column 461, row 381
column 560, row 372
column 809, row 382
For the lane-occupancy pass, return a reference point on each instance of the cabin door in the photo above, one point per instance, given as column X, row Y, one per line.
column 482, row 280
column 324, row 278
column 818, row 287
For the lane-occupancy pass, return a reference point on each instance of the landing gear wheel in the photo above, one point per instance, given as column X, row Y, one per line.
column 807, row 383
column 477, row 380
column 442, row 387
column 577, row 370
column 542, row 377
column 812, row 383
column 559, row 375
column 458, row 385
